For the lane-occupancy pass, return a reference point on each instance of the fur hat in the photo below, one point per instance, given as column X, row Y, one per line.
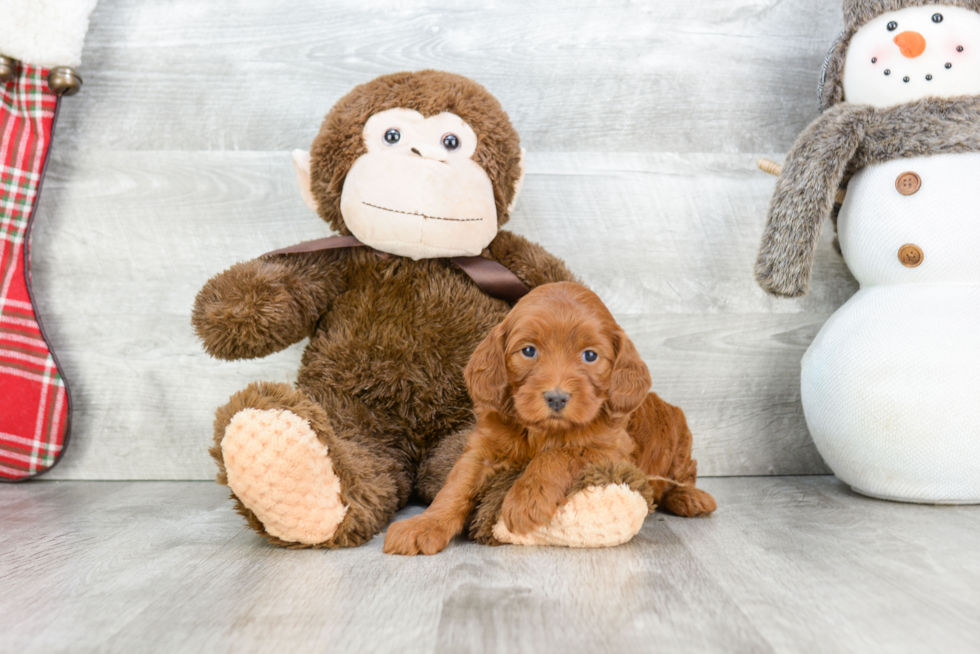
column 856, row 14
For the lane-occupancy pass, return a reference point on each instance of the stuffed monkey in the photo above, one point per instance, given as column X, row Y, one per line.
column 420, row 167
column 890, row 384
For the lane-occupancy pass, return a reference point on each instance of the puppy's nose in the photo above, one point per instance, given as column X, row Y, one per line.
column 556, row 399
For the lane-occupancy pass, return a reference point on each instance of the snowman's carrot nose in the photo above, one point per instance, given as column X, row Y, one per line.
column 912, row 44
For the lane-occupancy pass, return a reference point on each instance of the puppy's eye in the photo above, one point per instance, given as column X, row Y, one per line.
column 892, row 26
column 589, row 356
column 450, row 142
column 937, row 18
column 529, row 352
column 392, row 136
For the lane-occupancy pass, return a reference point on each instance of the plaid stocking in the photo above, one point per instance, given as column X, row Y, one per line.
column 34, row 402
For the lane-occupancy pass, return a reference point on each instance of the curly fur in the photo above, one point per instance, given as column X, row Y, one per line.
column 843, row 140
column 435, row 467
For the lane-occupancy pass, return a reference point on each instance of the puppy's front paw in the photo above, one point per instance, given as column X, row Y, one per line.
column 525, row 507
column 417, row 535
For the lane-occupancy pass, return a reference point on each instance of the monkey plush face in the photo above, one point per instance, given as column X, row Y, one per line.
column 420, row 165
column 913, row 53
column 417, row 192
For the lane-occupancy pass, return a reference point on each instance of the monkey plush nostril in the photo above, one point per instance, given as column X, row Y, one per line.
column 912, row 44
column 556, row 399
column 428, row 152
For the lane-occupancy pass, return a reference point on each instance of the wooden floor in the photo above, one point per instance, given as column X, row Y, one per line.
column 787, row 564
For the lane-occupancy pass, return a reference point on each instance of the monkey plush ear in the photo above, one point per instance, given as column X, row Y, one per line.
column 486, row 372
column 301, row 160
column 518, row 184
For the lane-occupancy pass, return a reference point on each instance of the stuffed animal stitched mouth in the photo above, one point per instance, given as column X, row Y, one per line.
column 427, row 217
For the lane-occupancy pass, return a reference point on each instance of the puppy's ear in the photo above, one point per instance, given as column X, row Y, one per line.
column 486, row 372
column 630, row 381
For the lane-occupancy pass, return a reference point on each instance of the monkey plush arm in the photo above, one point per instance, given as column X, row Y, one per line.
column 804, row 197
column 529, row 261
column 264, row 305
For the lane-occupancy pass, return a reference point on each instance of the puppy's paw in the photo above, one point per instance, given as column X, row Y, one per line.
column 688, row 502
column 417, row 535
column 527, row 507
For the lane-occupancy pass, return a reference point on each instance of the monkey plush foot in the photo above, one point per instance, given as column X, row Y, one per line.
column 280, row 471
column 596, row 516
column 605, row 507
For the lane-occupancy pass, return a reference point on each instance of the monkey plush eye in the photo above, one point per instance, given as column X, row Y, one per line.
column 529, row 352
column 392, row 136
column 937, row 18
column 589, row 356
column 892, row 26
column 450, row 141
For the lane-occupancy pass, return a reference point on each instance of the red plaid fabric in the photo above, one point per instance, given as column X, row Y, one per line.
column 33, row 396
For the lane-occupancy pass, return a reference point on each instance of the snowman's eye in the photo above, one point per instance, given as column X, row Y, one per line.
column 937, row 18
column 892, row 26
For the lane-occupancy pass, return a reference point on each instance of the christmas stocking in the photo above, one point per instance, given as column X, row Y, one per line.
column 35, row 408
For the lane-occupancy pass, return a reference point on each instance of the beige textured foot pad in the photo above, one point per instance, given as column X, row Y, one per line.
column 280, row 470
column 596, row 517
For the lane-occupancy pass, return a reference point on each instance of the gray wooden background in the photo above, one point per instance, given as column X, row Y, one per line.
column 642, row 122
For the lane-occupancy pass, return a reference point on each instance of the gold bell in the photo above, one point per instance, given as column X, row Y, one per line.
column 8, row 67
column 64, row 81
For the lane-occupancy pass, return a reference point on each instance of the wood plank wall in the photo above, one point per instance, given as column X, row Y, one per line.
column 642, row 122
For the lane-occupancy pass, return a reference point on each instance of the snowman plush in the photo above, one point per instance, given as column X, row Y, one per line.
column 891, row 384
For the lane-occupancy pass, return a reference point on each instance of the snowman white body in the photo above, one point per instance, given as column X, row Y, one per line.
column 891, row 384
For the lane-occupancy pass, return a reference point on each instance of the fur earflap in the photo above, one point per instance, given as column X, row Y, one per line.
column 856, row 14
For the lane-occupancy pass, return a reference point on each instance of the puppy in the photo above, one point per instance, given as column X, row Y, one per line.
column 557, row 387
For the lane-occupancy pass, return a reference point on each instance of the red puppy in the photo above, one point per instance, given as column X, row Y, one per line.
column 557, row 386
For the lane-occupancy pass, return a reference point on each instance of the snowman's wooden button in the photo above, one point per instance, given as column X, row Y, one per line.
column 910, row 255
column 908, row 183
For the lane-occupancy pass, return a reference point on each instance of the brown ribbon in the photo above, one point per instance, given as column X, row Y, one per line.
column 494, row 278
